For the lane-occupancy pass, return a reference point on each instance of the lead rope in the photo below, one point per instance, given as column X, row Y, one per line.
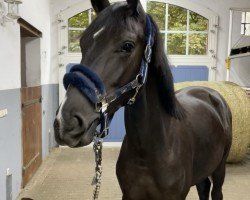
column 97, row 147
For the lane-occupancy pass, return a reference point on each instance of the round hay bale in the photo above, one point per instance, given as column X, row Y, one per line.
column 240, row 107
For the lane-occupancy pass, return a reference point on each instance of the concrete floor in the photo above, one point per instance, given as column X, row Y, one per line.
column 67, row 173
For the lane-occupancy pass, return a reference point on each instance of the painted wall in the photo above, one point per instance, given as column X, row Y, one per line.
column 240, row 71
column 240, row 66
column 37, row 13
column 10, row 141
column 220, row 7
column 49, row 106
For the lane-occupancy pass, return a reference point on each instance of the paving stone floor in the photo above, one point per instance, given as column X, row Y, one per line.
column 66, row 174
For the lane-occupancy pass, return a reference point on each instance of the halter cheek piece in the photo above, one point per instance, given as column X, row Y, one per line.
column 90, row 84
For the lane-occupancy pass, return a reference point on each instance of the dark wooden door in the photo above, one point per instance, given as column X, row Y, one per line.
column 31, row 131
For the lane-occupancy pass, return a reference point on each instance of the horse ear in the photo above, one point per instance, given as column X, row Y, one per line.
column 133, row 4
column 99, row 5
column 165, row 79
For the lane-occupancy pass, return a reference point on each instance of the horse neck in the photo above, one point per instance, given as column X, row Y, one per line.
column 146, row 120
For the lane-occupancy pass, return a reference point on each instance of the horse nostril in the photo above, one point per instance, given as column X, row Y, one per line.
column 79, row 119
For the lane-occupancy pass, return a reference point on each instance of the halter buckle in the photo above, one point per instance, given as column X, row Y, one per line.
column 101, row 106
column 132, row 100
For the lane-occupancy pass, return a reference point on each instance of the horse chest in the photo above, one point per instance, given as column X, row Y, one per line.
column 139, row 180
column 136, row 181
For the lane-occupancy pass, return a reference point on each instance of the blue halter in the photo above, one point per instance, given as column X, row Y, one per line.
column 91, row 85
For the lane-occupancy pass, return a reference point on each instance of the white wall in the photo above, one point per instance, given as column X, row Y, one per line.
column 240, row 72
column 37, row 13
column 9, row 56
column 221, row 7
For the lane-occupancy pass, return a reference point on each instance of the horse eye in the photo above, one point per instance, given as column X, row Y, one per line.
column 127, row 47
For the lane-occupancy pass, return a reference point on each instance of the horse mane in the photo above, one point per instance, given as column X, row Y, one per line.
column 164, row 79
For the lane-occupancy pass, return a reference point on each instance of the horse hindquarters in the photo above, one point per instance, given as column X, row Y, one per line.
column 218, row 176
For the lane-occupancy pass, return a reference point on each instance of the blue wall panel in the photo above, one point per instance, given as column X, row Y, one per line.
column 69, row 66
column 180, row 73
column 117, row 128
column 189, row 73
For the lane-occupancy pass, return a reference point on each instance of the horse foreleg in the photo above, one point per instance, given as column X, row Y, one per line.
column 203, row 189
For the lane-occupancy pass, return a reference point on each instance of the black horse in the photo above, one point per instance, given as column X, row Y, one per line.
column 173, row 140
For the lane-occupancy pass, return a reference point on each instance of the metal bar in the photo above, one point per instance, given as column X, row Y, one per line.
column 239, row 56
column 200, row 32
column 30, row 162
column 229, row 41
column 166, row 30
column 31, row 102
column 188, row 33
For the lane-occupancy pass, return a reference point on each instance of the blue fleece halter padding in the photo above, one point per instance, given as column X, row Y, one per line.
column 91, row 75
column 87, row 82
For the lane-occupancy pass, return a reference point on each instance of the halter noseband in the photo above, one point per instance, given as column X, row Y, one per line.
column 91, row 85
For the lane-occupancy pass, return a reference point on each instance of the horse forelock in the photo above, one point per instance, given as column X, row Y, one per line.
column 116, row 16
column 113, row 20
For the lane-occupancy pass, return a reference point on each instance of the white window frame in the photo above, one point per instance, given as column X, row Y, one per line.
column 209, row 60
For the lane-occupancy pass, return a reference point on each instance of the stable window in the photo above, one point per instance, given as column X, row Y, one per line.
column 184, row 32
column 76, row 25
column 245, row 23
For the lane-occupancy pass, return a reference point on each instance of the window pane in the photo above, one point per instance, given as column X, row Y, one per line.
column 80, row 20
column 197, row 22
column 242, row 29
column 177, row 18
column 198, row 44
column 74, row 40
column 243, row 17
column 247, row 29
column 248, row 17
column 157, row 11
column 176, row 44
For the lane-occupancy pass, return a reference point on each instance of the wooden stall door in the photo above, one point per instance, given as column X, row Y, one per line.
column 31, row 131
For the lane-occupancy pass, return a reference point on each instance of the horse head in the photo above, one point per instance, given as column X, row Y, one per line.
column 114, row 51
column 112, row 47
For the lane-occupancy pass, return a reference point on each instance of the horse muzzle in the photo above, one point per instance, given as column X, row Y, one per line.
column 74, row 136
